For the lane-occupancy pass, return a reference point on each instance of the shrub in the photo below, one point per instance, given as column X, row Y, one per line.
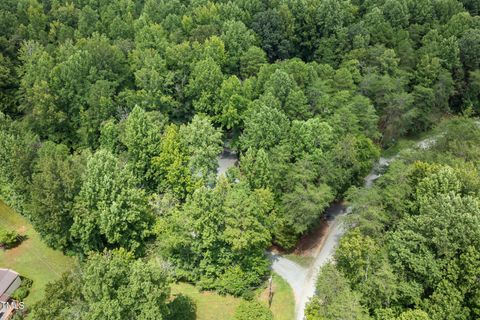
column 8, row 238
column 248, row 310
column 21, row 293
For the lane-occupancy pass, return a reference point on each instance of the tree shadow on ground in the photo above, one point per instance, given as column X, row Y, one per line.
column 182, row 308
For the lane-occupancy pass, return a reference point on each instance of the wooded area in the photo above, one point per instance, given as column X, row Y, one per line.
column 412, row 250
column 113, row 115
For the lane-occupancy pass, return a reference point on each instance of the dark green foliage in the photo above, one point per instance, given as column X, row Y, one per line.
column 18, row 149
column 273, row 29
column 252, row 310
column 218, row 237
column 182, row 308
column 22, row 292
column 55, row 183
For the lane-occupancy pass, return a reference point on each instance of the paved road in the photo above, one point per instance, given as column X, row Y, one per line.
column 303, row 280
column 292, row 272
column 324, row 255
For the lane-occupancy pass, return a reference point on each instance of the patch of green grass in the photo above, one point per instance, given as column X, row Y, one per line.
column 283, row 301
column 32, row 258
column 301, row 260
column 210, row 305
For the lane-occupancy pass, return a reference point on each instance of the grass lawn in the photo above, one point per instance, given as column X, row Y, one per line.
column 283, row 301
column 212, row 306
column 32, row 258
column 304, row 261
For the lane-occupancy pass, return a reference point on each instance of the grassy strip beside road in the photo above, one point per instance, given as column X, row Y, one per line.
column 283, row 301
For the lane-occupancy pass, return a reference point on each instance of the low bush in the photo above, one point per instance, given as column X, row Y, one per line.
column 8, row 238
column 249, row 310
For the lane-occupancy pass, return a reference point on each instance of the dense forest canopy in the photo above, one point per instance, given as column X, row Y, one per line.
column 113, row 115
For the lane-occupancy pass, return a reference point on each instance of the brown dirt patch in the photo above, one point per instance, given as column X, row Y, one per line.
column 22, row 230
column 309, row 243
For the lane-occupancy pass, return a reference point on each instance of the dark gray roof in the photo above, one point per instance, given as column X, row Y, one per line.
column 9, row 282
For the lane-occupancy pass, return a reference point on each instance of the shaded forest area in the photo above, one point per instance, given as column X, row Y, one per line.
column 113, row 114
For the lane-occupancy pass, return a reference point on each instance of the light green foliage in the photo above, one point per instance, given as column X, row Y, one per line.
column 265, row 127
column 203, row 144
column 238, row 39
column 251, row 61
column 356, row 255
column 413, row 314
column 111, row 285
column 110, row 211
column 8, row 237
column 256, row 167
column 292, row 100
column 109, row 134
column 142, row 137
column 231, row 103
column 423, row 254
column 153, row 80
column 309, row 137
column 205, row 81
column 334, row 298
column 171, row 165
column 252, row 310
column 305, row 91
column 187, row 157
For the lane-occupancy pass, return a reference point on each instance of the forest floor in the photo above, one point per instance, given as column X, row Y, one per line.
column 31, row 258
